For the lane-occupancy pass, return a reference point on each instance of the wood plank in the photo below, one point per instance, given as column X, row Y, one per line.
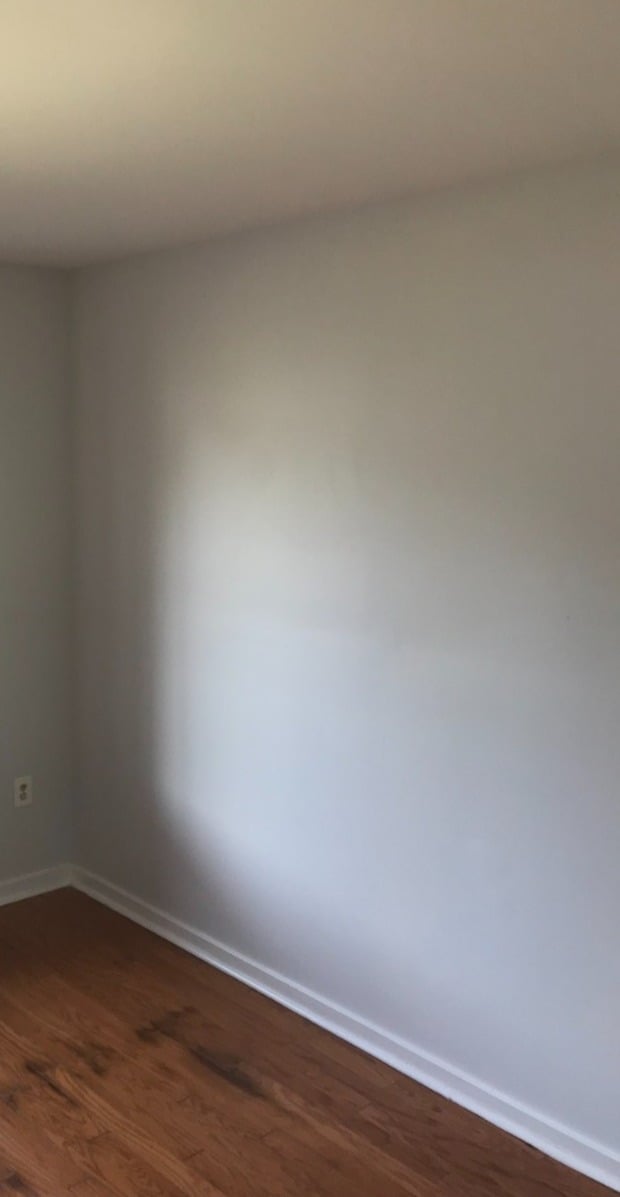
column 92, row 1188
column 94, row 1091
column 115, row 1163
column 130, row 1069
column 33, row 1155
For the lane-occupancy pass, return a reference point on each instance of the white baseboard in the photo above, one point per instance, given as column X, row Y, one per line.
column 31, row 884
column 555, row 1140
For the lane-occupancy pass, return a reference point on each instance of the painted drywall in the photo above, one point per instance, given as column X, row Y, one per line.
column 35, row 558
column 349, row 615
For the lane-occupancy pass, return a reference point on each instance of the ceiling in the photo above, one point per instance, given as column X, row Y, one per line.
column 128, row 124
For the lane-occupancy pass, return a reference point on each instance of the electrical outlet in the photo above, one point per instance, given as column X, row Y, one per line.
column 22, row 791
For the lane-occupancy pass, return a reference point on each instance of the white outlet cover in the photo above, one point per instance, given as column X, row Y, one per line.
column 22, row 791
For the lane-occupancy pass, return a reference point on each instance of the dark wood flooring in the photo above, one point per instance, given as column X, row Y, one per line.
column 128, row 1067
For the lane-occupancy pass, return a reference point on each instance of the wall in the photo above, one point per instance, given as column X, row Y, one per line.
column 36, row 643
column 349, row 616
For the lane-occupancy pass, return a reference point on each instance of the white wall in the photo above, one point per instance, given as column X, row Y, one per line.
column 349, row 508
column 35, row 579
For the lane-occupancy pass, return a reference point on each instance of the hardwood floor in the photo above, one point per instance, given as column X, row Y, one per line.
column 128, row 1067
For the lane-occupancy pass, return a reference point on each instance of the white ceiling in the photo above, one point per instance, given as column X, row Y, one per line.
column 126, row 124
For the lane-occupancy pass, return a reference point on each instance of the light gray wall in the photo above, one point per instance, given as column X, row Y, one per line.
column 349, row 615
column 35, row 582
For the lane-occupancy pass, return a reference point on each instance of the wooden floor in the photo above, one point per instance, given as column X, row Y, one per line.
column 128, row 1067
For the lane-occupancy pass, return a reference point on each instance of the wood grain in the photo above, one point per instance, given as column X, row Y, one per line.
column 130, row 1069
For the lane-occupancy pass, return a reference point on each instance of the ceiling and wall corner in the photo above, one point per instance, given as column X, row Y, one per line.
column 130, row 125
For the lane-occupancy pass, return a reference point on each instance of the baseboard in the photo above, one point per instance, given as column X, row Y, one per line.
column 555, row 1140
column 559, row 1142
column 31, row 884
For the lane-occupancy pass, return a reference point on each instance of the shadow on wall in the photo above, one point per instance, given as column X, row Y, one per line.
column 349, row 637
